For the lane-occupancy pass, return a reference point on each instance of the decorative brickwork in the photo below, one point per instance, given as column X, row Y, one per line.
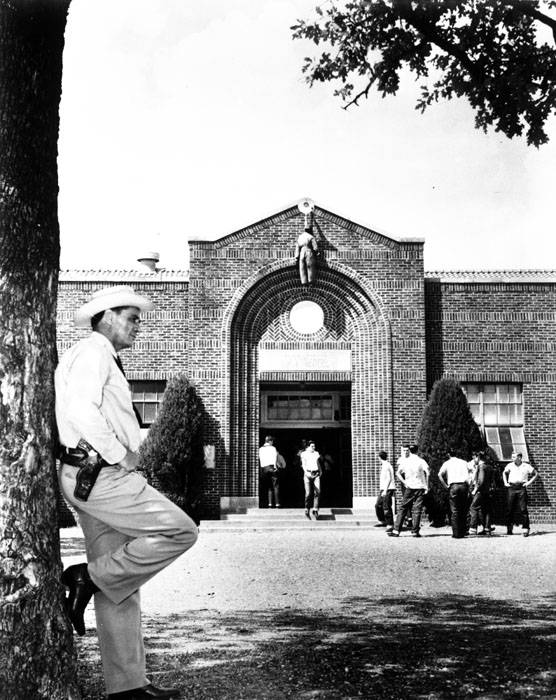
column 399, row 329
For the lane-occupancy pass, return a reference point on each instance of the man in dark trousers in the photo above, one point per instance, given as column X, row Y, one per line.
column 131, row 531
column 455, row 476
column 518, row 476
column 413, row 472
column 482, row 489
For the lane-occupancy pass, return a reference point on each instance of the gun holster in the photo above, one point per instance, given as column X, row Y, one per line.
column 88, row 463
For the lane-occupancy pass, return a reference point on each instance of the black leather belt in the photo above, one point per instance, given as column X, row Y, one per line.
column 75, row 456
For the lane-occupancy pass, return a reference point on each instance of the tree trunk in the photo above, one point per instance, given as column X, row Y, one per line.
column 37, row 658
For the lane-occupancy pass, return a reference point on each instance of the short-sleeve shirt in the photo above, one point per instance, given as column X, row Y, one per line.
column 268, row 455
column 415, row 471
column 518, row 474
column 456, row 471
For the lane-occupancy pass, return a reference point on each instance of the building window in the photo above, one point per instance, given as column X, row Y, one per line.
column 147, row 397
column 498, row 410
column 305, row 408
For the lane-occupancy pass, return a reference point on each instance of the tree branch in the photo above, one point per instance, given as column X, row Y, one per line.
column 527, row 9
column 430, row 32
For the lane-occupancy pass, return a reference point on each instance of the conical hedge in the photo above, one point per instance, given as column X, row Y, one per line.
column 172, row 455
column 446, row 423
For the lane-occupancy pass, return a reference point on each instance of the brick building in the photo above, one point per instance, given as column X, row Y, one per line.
column 347, row 360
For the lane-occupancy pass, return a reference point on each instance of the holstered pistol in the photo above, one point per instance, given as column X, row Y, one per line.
column 88, row 470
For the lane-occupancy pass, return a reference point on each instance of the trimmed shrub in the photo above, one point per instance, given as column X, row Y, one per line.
column 172, row 455
column 446, row 423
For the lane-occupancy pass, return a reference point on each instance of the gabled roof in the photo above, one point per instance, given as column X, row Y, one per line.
column 319, row 212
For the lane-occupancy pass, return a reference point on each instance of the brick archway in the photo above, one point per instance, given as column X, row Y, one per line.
column 354, row 318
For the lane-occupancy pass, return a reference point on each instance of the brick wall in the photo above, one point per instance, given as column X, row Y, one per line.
column 489, row 330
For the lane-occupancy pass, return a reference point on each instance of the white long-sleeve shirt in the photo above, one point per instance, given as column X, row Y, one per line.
column 93, row 400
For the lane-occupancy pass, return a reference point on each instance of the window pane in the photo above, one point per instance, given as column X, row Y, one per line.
column 472, row 392
column 504, row 415
column 490, row 393
column 503, row 395
column 516, row 414
column 514, row 393
column 316, row 413
column 282, row 413
column 147, row 396
column 506, row 442
column 491, row 415
column 518, row 439
column 149, row 412
column 492, row 436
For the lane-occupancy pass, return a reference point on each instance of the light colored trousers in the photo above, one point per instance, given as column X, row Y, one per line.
column 131, row 532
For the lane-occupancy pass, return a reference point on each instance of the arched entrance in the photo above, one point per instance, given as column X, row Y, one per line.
column 349, row 355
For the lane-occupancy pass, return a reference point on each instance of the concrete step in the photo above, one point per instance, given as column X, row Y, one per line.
column 287, row 513
column 292, row 519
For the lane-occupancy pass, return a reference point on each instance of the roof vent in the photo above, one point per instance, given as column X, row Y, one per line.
column 149, row 259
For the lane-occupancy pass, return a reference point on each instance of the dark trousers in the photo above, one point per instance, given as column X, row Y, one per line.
column 412, row 501
column 383, row 508
column 481, row 509
column 458, row 508
column 271, row 485
column 517, row 496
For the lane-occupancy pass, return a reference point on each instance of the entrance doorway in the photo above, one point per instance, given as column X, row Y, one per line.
column 334, row 446
column 294, row 413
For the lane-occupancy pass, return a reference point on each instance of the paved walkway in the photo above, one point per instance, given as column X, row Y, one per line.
column 256, row 615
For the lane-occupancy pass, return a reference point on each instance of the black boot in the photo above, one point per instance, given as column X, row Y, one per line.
column 81, row 589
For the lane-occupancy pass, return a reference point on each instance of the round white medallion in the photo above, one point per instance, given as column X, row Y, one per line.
column 307, row 317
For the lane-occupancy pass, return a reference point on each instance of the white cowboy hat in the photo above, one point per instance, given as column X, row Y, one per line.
column 110, row 298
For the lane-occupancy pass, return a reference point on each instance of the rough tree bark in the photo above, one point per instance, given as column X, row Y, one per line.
column 37, row 658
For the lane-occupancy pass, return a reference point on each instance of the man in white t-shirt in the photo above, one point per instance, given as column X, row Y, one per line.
column 268, row 460
column 413, row 472
column 456, row 476
column 518, row 475
column 311, row 465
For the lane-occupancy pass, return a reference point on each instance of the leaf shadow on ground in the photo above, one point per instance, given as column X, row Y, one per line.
column 430, row 647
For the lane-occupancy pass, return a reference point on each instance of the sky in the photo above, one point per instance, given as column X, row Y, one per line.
column 187, row 120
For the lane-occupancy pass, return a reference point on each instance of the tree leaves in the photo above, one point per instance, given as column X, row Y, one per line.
column 490, row 53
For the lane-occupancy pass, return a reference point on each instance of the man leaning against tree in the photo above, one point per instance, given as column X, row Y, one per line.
column 131, row 531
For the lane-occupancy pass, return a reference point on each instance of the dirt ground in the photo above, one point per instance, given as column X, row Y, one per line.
column 340, row 615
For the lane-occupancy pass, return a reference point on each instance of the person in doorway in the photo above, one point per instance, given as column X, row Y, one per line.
column 455, row 476
column 518, row 476
column 482, row 489
column 131, row 531
column 312, row 471
column 270, row 480
column 387, row 490
column 413, row 473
